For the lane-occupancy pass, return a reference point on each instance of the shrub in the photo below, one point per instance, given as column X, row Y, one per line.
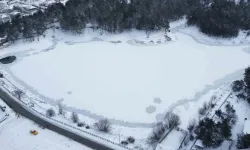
column 87, row 127
column 103, row 125
column 50, row 112
column 124, row 142
column 131, row 139
column 81, row 124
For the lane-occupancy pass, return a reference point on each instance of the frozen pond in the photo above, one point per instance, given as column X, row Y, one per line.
column 127, row 82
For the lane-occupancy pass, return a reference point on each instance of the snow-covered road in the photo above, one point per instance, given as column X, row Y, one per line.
column 15, row 135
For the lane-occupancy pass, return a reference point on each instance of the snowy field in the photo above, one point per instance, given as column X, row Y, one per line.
column 115, row 77
column 15, row 135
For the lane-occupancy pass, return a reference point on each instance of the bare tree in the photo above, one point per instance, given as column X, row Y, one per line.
column 74, row 117
column 156, row 134
column 103, row 125
column 50, row 112
column 19, row 93
column 172, row 120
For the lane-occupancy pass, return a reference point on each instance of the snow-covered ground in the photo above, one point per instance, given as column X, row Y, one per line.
column 15, row 135
column 130, row 78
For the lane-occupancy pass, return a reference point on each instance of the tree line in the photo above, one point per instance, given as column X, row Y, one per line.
column 220, row 17
column 241, row 88
column 213, row 17
column 109, row 15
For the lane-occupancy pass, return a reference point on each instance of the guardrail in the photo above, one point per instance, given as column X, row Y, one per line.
column 182, row 141
column 4, row 118
column 63, row 123
column 166, row 134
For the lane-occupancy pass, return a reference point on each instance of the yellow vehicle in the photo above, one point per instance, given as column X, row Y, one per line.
column 34, row 132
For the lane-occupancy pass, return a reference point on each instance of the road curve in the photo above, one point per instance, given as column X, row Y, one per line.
column 17, row 107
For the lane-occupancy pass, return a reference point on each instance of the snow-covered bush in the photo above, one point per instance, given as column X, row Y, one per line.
column 241, row 96
column 61, row 109
column 211, row 104
column 172, row 120
column 247, row 77
column 124, row 142
column 157, row 133
column 87, row 127
column 230, row 113
column 219, row 113
column 131, row 139
column 238, row 85
column 209, row 133
column 204, row 109
column 103, row 125
column 191, row 125
column 50, row 112
column 191, row 137
column 225, row 128
column 74, row 117
column 81, row 124
column 19, row 93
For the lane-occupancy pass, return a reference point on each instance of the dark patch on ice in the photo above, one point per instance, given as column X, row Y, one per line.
column 96, row 39
column 8, row 59
column 150, row 109
column 157, row 100
column 115, row 42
